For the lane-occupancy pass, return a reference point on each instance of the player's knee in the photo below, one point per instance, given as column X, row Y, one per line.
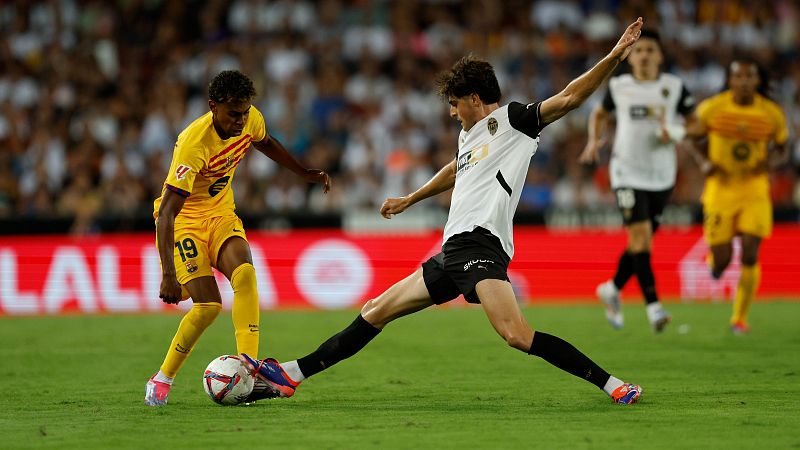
column 374, row 311
column 243, row 280
column 517, row 340
column 204, row 313
column 749, row 258
column 638, row 242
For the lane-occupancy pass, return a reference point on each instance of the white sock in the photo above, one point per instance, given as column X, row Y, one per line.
column 612, row 384
column 293, row 370
column 163, row 378
column 652, row 310
column 611, row 285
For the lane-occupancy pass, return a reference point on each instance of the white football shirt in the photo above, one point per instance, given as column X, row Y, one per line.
column 492, row 163
column 639, row 159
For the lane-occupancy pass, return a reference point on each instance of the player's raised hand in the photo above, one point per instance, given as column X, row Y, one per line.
column 393, row 206
column 319, row 176
column 629, row 37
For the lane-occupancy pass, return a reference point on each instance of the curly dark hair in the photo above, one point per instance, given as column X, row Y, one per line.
column 231, row 86
column 469, row 75
column 763, row 87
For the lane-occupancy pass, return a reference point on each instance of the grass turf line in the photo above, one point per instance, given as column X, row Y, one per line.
column 437, row 379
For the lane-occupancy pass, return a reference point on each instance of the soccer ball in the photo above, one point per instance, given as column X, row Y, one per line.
column 227, row 381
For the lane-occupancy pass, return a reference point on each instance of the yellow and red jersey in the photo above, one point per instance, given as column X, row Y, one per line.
column 203, row 166
column 738, row 140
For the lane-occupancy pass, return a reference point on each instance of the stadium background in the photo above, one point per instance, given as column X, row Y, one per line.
column 93, row 94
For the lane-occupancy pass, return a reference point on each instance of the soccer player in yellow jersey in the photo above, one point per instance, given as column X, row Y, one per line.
column 197, row 227
column 740, row 124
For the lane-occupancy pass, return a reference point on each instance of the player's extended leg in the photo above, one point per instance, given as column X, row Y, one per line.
column 748, row 283
column 236, row 263
column 192, row 326
column 640, row 242
column 501, row 307
column 404, row 297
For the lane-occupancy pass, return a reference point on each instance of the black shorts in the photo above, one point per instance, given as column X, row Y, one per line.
column 637, row 205
column 466, row 259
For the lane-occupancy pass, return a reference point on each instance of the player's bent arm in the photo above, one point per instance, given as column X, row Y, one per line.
column 598, row 123
column 579, row 89
column 171, row 205
column 695, row 142
column 274, row 150
column 444, row 180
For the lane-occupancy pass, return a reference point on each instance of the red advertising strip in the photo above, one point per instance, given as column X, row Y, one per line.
column 331, row 269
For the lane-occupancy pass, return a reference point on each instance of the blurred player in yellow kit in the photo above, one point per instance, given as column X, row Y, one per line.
column 740, row 123
column 197, row 227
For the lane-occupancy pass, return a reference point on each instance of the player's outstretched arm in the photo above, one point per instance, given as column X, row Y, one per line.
column 444, row 180
column 171, row 204
column 276, row 152
column 582, row 87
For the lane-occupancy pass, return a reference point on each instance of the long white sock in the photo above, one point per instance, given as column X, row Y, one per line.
column 612, row 384
column 293, row 370
column 163, row 378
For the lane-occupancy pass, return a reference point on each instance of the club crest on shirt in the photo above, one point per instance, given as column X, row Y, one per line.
column 664, row 92
column 191, row 266
column 181, row 171
column 228, row 162
column 741, row 151
column 492, row 125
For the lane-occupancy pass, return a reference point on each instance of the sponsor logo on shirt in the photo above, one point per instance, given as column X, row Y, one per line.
column 218, row 186
column 472, row 157
column 639, row 112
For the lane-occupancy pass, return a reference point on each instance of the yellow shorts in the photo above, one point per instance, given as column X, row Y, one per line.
column 724, row 220
column 197, row 245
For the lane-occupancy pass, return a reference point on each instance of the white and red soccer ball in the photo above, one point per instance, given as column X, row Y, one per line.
column 227, row 381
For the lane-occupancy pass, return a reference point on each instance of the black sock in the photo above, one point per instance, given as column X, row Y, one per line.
column 341, row 346
column 566, row 357
column 644, row 272
column 624, row 270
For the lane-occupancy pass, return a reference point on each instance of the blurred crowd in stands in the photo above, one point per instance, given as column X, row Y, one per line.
column 94, row 92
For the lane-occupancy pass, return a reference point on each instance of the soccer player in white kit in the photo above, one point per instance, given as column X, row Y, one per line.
column 647, row 104
column 487, row 175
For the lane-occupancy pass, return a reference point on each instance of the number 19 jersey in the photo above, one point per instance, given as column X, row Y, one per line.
column 203, row 166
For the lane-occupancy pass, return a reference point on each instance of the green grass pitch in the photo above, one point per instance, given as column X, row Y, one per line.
column 439, row 379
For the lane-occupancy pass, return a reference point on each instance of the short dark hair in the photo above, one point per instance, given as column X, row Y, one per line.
column 231, row 86
column 649, row 33
column 469, row 75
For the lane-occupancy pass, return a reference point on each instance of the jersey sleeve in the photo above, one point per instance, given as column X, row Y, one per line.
column 685, row 102
column 608, row 101
column 259, row 126
column 526, row 118
column 187, row 161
